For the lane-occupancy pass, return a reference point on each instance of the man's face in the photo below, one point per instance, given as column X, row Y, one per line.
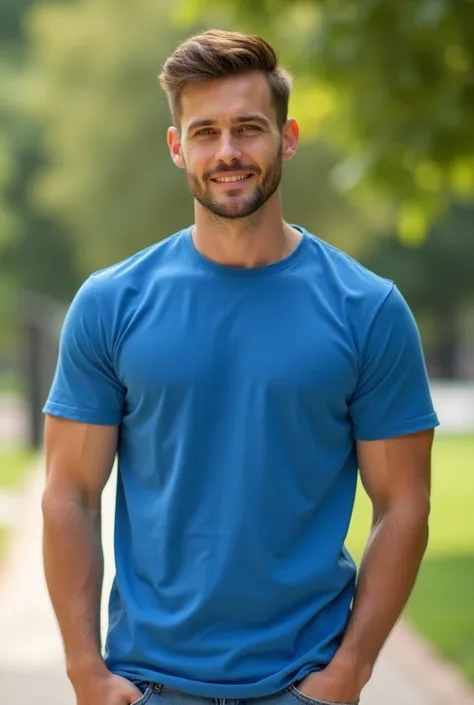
column 230, row 144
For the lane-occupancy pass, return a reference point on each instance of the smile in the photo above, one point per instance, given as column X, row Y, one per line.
column 230, row 179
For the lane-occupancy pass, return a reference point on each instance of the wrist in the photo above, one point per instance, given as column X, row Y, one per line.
column 89, row 667
column 353, row 667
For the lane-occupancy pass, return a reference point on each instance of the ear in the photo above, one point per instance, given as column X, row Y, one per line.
column 291, row 135
column 174, row 144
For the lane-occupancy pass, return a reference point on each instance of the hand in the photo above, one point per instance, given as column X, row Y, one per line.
column 106, row 689
column 331, row 684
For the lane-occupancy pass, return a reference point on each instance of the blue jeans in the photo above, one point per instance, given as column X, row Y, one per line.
column 156, row 694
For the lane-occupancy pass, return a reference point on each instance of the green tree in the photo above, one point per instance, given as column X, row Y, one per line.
column 34, row 253
column 388, row 82
column 104, row 120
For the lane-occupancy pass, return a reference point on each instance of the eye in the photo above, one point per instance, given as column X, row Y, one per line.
column 247, row 128
column 204, row 131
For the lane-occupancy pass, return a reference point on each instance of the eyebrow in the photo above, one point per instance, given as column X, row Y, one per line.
column 243, row 118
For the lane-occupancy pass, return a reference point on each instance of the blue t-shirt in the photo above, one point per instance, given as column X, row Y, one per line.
column 240, row 394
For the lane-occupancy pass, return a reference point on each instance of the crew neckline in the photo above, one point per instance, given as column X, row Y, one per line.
column 260, row 271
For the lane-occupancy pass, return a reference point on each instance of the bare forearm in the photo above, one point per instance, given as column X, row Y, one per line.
column 73, row 564
column 387, row 575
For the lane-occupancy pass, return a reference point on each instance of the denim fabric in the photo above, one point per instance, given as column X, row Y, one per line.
column 157, row 694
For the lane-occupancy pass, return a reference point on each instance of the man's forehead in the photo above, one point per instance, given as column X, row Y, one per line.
column 227, row 99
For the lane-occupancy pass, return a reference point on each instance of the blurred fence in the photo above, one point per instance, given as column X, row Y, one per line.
column 41, row 318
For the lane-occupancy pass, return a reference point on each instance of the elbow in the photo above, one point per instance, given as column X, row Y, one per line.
column 63, row 508
column 59, row 502
column 416, row 514
column 414, row 510
column 414, row 521
column 54, row 505
column 420, row 509
column 423, row 510
column 409, row 517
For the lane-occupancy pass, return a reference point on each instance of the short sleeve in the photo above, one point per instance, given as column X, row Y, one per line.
column 85, row 386
column 392, row 396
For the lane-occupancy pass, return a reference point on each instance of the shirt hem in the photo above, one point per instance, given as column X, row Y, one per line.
column 383, row 432
column 84, row 415
column 227, row 691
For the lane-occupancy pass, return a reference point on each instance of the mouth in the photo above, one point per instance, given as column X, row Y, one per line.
column 231, row 181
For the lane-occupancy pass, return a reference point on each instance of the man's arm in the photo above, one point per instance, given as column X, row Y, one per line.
column 79, row 460
column 396, row 475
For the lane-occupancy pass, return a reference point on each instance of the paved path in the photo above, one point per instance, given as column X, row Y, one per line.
column 13, row 432
column 13, row 420
column 31, row 661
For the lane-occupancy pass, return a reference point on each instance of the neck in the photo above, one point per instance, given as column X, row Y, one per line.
column 259, row 240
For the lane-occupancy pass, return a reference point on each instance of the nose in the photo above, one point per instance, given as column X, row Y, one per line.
column 228, row 150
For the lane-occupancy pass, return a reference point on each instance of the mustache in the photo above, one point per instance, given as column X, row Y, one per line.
column 235, row 167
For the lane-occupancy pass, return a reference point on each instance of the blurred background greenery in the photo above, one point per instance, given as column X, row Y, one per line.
column 384, row 93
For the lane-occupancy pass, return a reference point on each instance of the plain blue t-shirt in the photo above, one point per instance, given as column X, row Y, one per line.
column 240, row 394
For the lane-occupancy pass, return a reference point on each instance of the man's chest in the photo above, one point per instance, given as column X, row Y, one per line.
column 292, row 347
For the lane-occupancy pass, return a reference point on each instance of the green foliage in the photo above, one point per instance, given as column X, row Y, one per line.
column 436, row 279
column 11, row 14
column 96, row 94
column 309, row 200
column 8, row 133
column 438, row 275
column 34, row 253
column 391, row 85
column 8, row 309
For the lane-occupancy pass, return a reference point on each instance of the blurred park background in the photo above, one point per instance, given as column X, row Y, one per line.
column 384, row 93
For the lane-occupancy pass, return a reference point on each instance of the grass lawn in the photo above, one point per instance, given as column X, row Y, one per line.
column 14, row 462
column 442, row 603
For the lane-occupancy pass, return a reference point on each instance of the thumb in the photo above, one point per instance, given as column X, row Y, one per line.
column 135, row 693
column 131, row 692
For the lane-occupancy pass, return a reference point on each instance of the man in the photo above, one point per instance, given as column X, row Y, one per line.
column 242, row 370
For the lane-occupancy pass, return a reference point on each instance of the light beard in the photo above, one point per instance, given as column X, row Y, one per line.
column 232, row 206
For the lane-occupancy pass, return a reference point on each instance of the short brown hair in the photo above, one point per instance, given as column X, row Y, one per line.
column 217, row 54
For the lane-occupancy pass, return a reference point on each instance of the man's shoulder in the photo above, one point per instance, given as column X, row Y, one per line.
column 344, row 273
column 138, row 264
